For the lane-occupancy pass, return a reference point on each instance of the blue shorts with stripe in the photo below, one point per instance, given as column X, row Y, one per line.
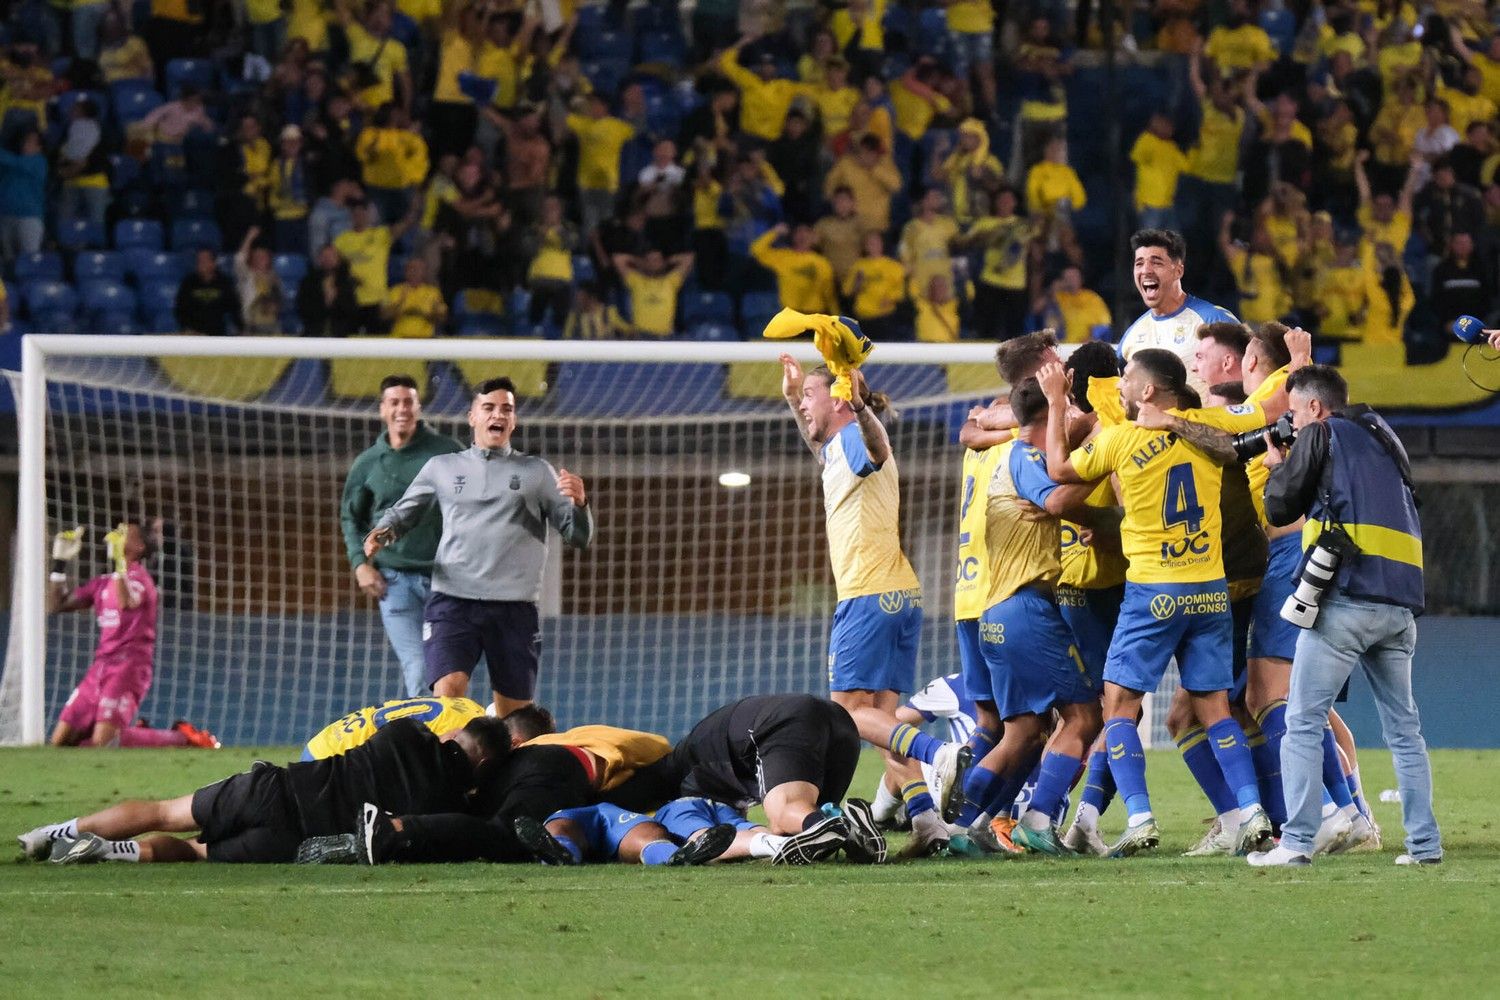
column 1032, row 660
column 1272, row 636
column 1092, row 616
column 686, row 816
column 873, row 645
column 604, row 827
column 1160, row 621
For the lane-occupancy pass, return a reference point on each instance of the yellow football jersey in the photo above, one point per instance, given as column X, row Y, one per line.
column 972, row 585
column 1256, row 469
column 622, row 750
column 862, row 505
column 441, row 715
column 1088, row 567
column 1172, row 532
column 1022, row 550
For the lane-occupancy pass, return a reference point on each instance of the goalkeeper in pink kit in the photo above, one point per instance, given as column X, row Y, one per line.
column 102, row 708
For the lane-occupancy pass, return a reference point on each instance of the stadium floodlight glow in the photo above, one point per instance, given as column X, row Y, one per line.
column 734, row 479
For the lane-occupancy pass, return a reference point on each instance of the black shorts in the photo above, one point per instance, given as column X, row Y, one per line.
column 456, row 630
column 248, row 818
column 742, row 751
column 819, row 744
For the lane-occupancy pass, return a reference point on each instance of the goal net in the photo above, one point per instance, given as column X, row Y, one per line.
column 695, row 590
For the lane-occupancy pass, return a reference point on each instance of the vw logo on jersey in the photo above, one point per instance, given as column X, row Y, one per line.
column 892, row 601
column 1162, row 607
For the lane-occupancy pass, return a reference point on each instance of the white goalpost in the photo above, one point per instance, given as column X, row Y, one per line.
column 708, row 578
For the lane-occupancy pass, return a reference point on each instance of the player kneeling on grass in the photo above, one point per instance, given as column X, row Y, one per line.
column 101, row 709
column 793, row 753
column 263, row 814
column 688, row 831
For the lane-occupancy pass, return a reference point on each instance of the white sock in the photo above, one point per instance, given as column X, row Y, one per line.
column 765, row 845
column 1329, row 809
column 886, row 803
column 1034, row 820
column 1232, row 819
column 1087, row 816
column 123, row 850
column 1136, row 819
column 63, row 831
column 1351, row 811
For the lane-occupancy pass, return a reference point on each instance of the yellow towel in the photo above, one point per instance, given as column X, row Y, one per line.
column 843, row 346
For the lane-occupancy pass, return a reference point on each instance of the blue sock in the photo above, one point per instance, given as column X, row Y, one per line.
column 1127, row 762
column 1228, row 742
column 982, row 741
column 1003, row 798
column 979, row 786
column 909, row 741
column 573, row 848
column 1327, row 799
column 1200, row 761
column 1268, row 775
column 918, row 798
column 658, row 852
column 1352, row 779
column 1099, row 786
column 1333, row 772
column 1053, row 781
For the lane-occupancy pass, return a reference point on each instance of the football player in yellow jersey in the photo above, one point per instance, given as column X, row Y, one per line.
column 872, row 649
column 1176, row 602
column 441, row 715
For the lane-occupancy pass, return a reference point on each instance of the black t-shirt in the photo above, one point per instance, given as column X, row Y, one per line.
column 404, row 769
column 535, row 782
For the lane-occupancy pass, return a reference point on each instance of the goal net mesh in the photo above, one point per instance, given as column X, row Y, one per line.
column 692, row 593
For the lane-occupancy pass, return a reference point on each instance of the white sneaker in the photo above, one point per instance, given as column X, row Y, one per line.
column 949, row 766
column 1085, row 840
column 1363, row 836
column 37, row 844
column 1407, row 859
column 1278, row 857
column 929, row 835
column 1217, row 841
column 1332, row 835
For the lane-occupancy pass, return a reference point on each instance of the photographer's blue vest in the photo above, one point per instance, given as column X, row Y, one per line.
column 1369, row 498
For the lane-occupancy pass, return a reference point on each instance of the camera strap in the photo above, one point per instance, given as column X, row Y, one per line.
column 1396, row 453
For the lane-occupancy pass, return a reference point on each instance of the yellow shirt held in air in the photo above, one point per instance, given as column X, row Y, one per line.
column 623, row 751
column 599, row 143
column 1172, row 531
column 804, row 278
column 368, row 253
column 653, row 301
column 417, row 310
column 971, row 584
column 1157, row 162
column 441, row 715
column 862, row 507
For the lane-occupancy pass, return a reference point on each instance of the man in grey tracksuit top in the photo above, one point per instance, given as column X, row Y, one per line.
column 487, row 574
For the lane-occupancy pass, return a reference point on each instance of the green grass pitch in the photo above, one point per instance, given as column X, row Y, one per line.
column 1150, row 927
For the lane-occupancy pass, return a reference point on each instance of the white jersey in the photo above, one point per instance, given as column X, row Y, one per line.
column 1176, row 332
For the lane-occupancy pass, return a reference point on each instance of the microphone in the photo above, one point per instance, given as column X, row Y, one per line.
column 1470, row 329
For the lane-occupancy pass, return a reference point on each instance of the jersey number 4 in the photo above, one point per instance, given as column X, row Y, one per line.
column 1180, row 505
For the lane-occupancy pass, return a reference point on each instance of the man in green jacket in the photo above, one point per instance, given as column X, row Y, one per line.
column 400, row 575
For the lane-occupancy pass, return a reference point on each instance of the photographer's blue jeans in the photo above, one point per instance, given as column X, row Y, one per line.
column 1382, row 638
column 401, row 613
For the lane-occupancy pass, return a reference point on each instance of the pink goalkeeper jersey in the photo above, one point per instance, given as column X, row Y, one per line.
column 124, row 633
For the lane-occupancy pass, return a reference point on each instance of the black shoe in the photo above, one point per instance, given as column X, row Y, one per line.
column 376, row 838
column 866, row 844
column 543, row 846
column 706, row 846
column 339, row 849
column 821, row 840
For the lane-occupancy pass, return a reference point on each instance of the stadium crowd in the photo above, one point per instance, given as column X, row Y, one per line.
column 489, row 167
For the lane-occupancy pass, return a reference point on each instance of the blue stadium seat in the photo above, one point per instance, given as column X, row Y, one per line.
column 1281, row 25
column 45, row 298
column 664, row 47
column 159, row 296
column 80, row 234
column 583, row 270
column 96, row 264
column 103, row 297
column 163, row 322
column 606, row 44
column 132, row 100
column 482, row 325
column 291, row 268
column 519, row 306
column 55, row 322
column 635, row 156
column 545, row 330
column 44, row 266
column 395, row 267
column 123, row 171
column 607, row 75
column 707, row 307
column 715, row 332
column 146, row 265
column 589, row 387
column 193, row 234
column 932, row 31
column 663, row 117
column 113, row 324
column 138, row 233
column 765, row 304
column 192, row 203
column 189, row 73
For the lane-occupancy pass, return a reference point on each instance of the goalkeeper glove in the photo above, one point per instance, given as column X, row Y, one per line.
column 115, row 544
column 65, row 548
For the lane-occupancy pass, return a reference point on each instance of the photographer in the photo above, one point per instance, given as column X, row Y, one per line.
column 1359, row 587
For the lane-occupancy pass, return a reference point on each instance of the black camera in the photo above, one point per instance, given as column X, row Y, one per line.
column 1252, row 443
